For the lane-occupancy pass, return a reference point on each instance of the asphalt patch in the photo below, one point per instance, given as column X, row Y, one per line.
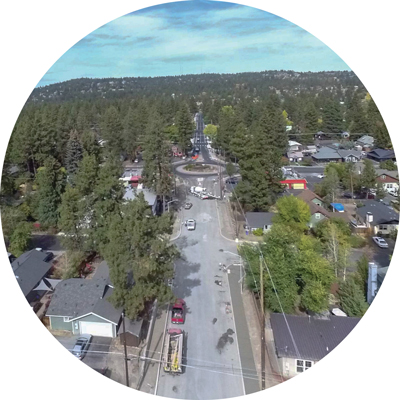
column 224, row 339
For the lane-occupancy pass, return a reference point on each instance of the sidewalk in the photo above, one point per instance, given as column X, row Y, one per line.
column 153, row 353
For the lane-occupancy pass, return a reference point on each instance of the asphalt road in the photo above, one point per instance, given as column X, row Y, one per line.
column 215, row 349
column 212, row 372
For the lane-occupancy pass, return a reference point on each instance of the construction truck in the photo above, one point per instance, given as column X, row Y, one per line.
column 173, row 350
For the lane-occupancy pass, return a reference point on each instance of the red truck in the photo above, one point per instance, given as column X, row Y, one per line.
column 178, row 312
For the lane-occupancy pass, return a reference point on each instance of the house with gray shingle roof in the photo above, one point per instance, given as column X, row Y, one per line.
column 350, row 155
column 309, row 340
column 366, row 141
column 326, row 154
column 82, row 306
column 29, row 269
column 378, row 217
column 380, row 155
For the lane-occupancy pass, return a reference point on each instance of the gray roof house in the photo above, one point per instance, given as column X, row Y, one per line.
column 326, row 154
column 259, row 220
column 365, row 141
column 378, row 217
column 314, row 338
column 29, row 269
column 350, row 155
column 381, row 155
column 82, row 306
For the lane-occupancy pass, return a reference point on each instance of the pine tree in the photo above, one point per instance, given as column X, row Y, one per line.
column 332, row 118
column 140, row 263
column 185, row 126
column 131, row 134
column 112, row 131
column 157, row 172
column 356, row 117
column 311, row 124
column 50, row 179
column 352, row 299
column 73, row 153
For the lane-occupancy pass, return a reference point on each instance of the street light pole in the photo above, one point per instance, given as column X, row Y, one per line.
column 262, row 325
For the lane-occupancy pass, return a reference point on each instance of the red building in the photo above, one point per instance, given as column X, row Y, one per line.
column 295, row 183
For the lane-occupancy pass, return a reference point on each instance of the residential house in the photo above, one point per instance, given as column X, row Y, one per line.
column 377, row 217
column 150, row 197
column 350, row 155
column 389, row 180
column 309, row 339
column 310, row 150
column 259, row 220
column 82, row 306
column 366, row 142
column 326, row 155
column 29, row 270
column 316, row 204
column 293, row 146
column 380, row 155
column 295, row 156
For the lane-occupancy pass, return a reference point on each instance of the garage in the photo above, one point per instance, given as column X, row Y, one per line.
column 96, row 328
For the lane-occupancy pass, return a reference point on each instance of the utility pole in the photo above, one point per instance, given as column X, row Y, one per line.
column 126, row 354
column 262, row 325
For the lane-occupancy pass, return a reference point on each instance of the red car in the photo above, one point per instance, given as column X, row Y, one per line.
column 178, row 312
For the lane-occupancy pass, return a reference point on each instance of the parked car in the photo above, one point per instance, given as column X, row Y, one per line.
column 178, row 312
column 380, row 242
column 188, row 206
column 320, row 176
column 191, row 224
column 82, row 345
column 49, row 256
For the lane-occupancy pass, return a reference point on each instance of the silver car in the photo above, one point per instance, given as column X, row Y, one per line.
column 191, row 224
column 380, row 242
column 81, row 346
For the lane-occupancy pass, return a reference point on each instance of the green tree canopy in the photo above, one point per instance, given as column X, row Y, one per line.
column 293, row 212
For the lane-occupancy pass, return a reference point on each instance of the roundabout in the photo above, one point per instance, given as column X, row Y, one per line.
column 197, row 169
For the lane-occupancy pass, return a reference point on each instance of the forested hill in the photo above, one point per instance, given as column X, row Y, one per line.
column 338, row 85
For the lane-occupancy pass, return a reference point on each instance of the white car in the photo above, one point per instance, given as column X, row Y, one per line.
column 320, row 176
column 191, row 224
column 380, row 242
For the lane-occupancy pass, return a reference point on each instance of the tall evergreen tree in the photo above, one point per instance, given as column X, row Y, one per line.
column 184, row 123
column 50, row 179
column 73, row 153
column 332, row 117
column 112, row 131
column 131, row 134
column 356, row 117
column 368, row 176
column 377, row 127
column 157, row 172
column 140, row 263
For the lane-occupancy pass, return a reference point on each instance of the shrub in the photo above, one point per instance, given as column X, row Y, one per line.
column 258, row 232
column 357, row 241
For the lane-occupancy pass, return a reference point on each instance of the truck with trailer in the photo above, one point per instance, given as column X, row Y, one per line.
column 173, row 351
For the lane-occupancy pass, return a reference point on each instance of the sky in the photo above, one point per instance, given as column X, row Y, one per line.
column 193, row 37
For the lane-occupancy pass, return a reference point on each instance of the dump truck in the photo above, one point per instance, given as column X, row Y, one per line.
column 173, row 350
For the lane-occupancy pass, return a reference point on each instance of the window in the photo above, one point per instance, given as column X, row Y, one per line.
column 389, row 185
column 383, row 227
column 303, row 365
column 317, row 216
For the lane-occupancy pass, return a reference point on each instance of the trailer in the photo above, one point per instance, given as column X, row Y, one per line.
column 173, row 351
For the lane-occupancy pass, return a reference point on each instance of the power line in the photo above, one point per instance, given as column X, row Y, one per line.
column 203, row 368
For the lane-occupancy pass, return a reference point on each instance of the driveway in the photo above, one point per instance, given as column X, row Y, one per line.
column 96, row 357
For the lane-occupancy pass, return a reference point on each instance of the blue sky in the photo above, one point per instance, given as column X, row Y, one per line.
column 192, row 37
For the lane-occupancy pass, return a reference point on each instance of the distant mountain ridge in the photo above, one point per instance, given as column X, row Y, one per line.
column 247, row 84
